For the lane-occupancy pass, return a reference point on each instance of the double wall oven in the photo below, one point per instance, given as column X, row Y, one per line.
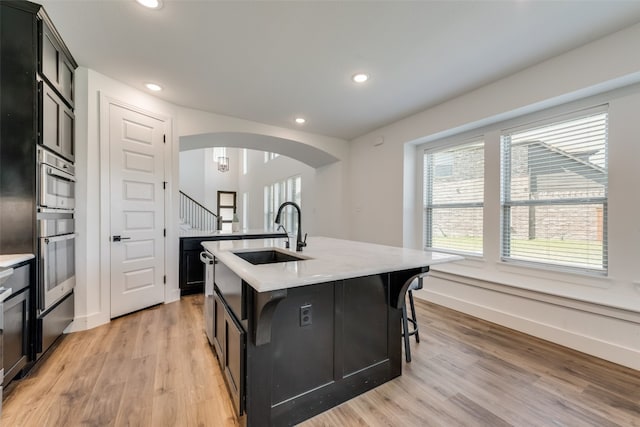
column 56, row 246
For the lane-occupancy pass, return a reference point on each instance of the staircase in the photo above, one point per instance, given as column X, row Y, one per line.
column 194, row 216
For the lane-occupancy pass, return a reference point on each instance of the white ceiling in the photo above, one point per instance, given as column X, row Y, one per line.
column 270, row 61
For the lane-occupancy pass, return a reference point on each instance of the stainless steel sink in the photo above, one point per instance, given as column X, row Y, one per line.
column 269, row 256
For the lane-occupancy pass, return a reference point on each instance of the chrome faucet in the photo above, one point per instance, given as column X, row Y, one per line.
column 299, row 242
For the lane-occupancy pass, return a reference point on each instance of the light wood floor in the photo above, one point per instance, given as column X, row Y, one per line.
column 154, row 368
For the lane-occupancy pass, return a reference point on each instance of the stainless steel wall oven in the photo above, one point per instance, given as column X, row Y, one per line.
column 56, row 276
column 57, row 257
column 57, row 182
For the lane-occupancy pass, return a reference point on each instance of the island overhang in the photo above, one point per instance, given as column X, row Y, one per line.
column 327, row 259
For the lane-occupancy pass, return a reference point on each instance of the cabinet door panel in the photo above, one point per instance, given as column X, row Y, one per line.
column 66, row 79
column 56, row 123
column 218, row 327
column 195, row 270
column 15, row 335
column 50, row 119
column 49, row 55
column 66, row 134
column 55, row 67
column 234, row 360
column 231, row 288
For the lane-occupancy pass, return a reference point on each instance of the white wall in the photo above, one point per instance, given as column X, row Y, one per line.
column 600, row 316
column 261, row 174
column 92, row 293
column 201, row 179
column 192, row 179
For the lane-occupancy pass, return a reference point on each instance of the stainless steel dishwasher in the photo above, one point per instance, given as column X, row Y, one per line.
column 208, row 261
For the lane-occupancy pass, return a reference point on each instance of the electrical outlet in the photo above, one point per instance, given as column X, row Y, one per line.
column 305, row 315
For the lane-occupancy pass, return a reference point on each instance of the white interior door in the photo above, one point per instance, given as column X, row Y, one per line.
column 137, row 217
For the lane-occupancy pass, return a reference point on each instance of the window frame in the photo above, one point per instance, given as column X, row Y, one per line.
column 506, row 204
column 427, row 182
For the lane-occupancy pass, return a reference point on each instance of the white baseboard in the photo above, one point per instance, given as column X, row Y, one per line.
column 171, row 295
column 83, row 323
column 589, row 345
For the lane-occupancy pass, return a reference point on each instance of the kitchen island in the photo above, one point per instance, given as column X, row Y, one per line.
column 297, row 337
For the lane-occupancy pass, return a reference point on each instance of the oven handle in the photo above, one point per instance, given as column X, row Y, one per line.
column 51, row 171
column 60, row 238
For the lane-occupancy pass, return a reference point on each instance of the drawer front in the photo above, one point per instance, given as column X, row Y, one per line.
column 19, row 279
column 231, row 288
column 51, row 325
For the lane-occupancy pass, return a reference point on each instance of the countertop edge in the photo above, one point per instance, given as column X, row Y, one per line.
column 290, row 274
column 9, row 260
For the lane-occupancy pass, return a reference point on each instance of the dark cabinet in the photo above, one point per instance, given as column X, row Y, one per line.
column 17, row 326
column 229, row 343
column 218, row 327
column 16, row 335
column 36, row 83
column 55, row 63
column 229, row 336
column 56, row 124
column 191, row 272
column 234, row 359
column 36, row 110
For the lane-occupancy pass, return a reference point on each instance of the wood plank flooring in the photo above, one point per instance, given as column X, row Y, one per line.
column 154, row 368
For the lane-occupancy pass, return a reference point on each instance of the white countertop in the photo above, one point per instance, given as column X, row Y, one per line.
column 249, row 232
column 328, row 259
column 10, row 260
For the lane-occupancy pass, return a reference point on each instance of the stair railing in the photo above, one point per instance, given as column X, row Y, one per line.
column 196, row 215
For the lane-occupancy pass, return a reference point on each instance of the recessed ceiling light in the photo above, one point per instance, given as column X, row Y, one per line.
column 360, row 77
column 154, row 87
column 300, row 120
column 151, row 4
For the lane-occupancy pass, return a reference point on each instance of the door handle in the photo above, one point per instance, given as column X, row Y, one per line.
column 119, row 238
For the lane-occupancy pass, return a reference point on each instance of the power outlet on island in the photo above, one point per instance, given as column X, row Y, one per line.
column 305, row 315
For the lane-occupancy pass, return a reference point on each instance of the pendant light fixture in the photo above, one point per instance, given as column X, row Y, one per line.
column 223, row 161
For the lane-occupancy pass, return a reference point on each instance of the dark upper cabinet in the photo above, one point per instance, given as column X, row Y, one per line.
column 55, row 65
column 56, row 124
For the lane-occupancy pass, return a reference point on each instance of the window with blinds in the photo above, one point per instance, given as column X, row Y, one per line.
column 454, row 198
column 277, row 193
column 554, row 192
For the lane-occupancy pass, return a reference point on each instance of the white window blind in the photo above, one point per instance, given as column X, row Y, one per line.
column 245, row 161
column 554, row 192
column 454, row 198
column 270, row 156
column 278, row 193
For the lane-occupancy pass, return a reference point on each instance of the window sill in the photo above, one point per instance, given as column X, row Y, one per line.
column 612, row 308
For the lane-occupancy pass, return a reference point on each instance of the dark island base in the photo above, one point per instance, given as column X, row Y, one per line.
column 352, row 344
